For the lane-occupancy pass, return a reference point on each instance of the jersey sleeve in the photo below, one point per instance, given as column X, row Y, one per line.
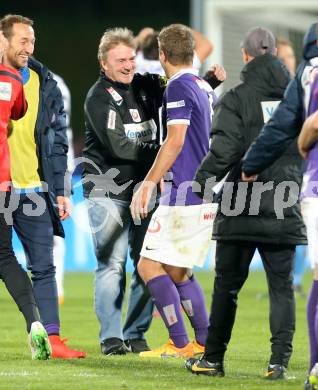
column 313, row 103
column 179, row 103
column 20, row 106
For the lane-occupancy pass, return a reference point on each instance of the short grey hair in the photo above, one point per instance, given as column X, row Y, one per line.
column 113, row 37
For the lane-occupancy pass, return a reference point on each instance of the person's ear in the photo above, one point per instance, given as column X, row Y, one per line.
column 162, row 56
column 244, row 55
column 104, row 66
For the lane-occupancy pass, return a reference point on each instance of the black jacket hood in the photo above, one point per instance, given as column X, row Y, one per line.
column 310, row 43
column 266, row 73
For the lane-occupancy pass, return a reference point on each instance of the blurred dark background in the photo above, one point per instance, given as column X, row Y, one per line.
column 68, row 34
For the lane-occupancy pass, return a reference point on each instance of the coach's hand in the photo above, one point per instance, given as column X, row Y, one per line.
column 140, row 201
column 64, row 207
column 247, row 178
column 219, row 72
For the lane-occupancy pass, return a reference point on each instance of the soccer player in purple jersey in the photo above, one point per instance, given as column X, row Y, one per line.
column 179, row 233
column 308, row 148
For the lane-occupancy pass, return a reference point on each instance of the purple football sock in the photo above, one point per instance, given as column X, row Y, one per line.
column 312, row 321
column 193, row 302
column 52, row 329
column 167, row 301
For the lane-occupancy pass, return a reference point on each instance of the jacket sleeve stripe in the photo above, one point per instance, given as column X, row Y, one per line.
column 9, row 74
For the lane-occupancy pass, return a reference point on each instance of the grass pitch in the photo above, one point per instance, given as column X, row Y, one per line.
column 245, row 363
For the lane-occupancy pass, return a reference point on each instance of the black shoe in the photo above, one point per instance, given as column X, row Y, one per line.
column 203, row 367
column 276, row 371
column 137, row 345
column 113, row 346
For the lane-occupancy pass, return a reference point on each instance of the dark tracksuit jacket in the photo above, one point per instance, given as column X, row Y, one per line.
column 51, row 141
column 122, row 133
column 238, row 119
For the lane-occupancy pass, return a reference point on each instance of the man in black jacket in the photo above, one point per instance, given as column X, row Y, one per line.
column 255, row 222
column 121, row 143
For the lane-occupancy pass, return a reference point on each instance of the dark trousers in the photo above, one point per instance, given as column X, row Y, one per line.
column 33, row 225
column 233, row 259
column 15, row 278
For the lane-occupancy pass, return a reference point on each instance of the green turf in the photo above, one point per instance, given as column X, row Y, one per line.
column 245, row 363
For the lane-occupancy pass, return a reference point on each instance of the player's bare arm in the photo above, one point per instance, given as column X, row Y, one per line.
column 308, row 135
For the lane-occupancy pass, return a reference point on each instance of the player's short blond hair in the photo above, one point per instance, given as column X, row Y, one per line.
column 177, row 43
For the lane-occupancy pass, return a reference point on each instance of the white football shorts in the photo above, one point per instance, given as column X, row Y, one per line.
column 309, row 210
column 180, row 235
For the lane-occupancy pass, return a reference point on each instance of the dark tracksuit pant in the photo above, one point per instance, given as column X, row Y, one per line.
column 14, row 277
column 33, row 225
column 233, row 259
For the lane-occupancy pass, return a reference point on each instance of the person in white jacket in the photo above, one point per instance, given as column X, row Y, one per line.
column 59, row 243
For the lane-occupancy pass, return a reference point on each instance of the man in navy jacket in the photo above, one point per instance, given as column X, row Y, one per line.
column 38, row 152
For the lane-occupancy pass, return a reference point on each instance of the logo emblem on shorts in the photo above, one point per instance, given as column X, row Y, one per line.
column 150, row 249
column 154, row 226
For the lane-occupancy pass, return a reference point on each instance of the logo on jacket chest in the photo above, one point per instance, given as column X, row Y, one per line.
column 144, row 131
column 115, row 95
column 5, row 91
column 268, row 108
column 135, row 115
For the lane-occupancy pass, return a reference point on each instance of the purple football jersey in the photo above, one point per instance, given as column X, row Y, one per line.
column 190, row 100
column 310, row 181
